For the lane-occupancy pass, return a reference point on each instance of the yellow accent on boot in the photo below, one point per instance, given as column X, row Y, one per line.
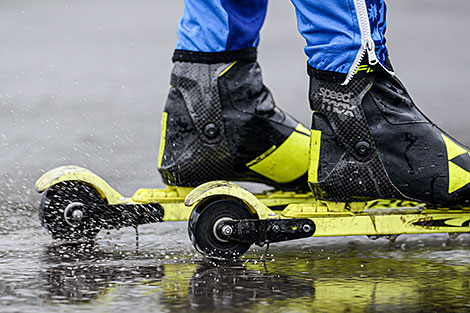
column 301, row 128
column 162, row 139
column 453, row 149
column 315, row 142
column 227, row 69
column 287, row 162
column 458, row 177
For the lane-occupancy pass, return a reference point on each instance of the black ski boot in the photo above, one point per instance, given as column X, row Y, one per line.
column 220, row 122
column 370, row 141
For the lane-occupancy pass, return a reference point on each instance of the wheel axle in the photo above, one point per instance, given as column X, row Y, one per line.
column 227, row 230
column 265, row 231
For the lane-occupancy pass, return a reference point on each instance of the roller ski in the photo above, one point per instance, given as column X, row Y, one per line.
column 76, row 204
column 219, row 122
column 378, row 167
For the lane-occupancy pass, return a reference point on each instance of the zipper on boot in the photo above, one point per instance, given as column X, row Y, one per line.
column 367, row 43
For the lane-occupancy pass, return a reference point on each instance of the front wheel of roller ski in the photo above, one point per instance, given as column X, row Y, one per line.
column 62, row 211
column 206, row 230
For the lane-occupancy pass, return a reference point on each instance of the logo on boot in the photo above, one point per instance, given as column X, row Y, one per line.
column 337, row 102
column 458, row 162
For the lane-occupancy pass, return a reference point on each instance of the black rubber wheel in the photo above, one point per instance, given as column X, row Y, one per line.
column 201, row 228
column 53, row 204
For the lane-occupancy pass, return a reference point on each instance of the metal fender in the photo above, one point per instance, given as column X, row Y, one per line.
column 76, row 173
column 226, row 188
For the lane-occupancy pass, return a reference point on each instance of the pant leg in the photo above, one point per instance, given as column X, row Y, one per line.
column 220, row 27
column 338, row 33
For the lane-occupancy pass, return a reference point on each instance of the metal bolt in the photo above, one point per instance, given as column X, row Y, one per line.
column 306, row 228
column 211, row 130
column 227, row 230
column 276, row 228
column 362, row 148
column 77, row 215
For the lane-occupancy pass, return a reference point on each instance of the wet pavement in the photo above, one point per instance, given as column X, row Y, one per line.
column 84, row 83
column 164, row 274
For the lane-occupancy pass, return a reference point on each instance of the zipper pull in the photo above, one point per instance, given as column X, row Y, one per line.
column 369, row 45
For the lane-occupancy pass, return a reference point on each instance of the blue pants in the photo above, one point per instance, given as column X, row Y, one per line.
column 338, row 33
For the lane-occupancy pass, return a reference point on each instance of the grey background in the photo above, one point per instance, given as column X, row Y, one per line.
column 84, row 82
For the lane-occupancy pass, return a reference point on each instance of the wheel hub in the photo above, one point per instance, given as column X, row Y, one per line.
column 225, row 230
column 73, row 214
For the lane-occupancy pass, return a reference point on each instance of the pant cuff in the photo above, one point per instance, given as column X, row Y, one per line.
column 248, row 54
column 325, row 75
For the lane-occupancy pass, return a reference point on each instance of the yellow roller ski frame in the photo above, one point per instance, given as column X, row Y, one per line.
column 372, row 218
column 170, row 198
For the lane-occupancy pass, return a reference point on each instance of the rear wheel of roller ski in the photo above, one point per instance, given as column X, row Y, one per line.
column 207, row 232
column 62, row 211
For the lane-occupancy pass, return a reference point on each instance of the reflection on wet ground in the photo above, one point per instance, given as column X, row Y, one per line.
column 412, row 274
